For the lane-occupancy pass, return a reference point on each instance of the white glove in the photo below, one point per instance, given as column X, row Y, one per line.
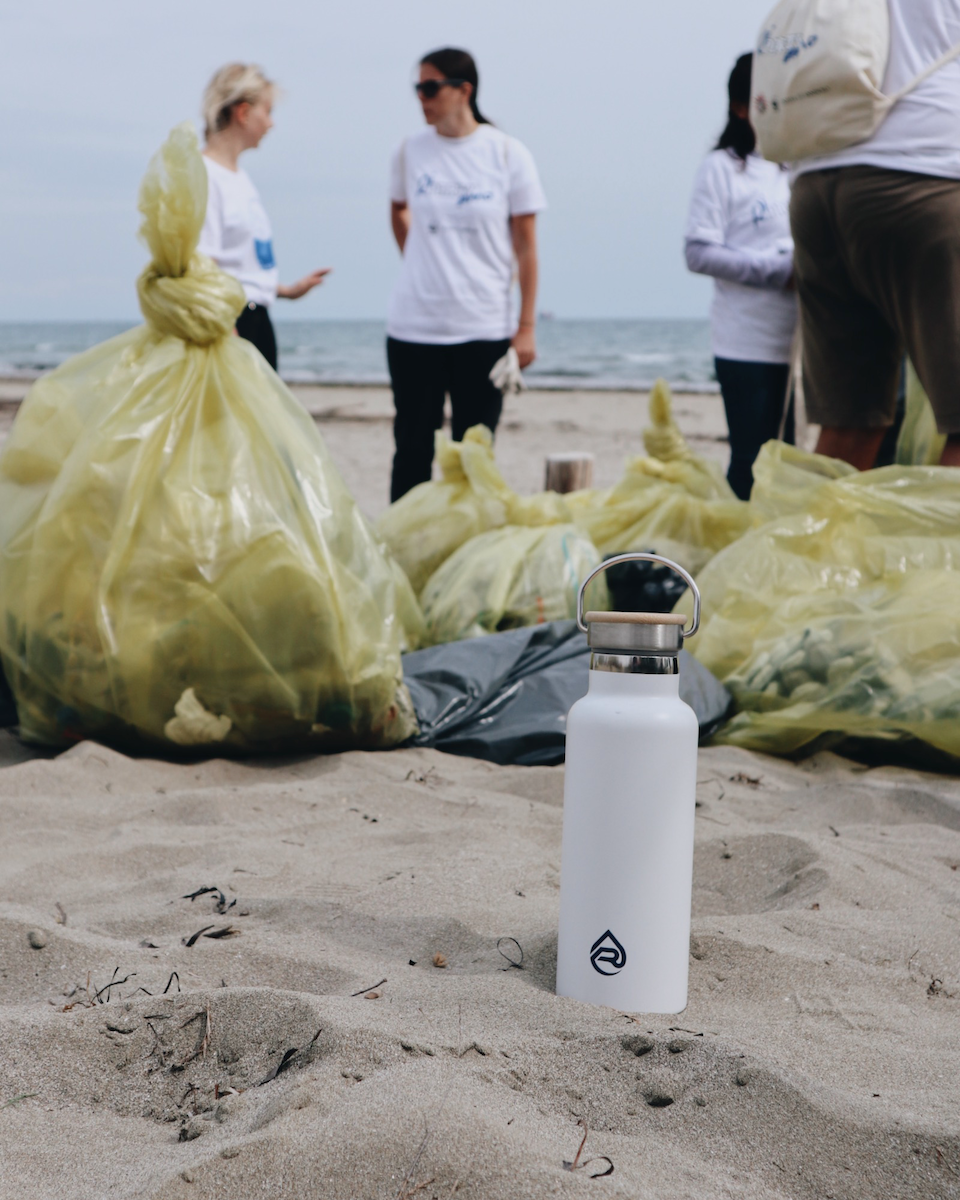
column 505, row 374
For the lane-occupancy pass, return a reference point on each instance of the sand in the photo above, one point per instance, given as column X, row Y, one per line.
column 360, row 1033
column 357, row 425
column 818, row 1056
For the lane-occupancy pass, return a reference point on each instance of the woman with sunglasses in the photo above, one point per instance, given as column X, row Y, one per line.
column 464, row 198
column 237, row 112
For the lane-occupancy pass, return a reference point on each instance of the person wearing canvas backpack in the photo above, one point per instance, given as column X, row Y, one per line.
column 876, row 227
column 738, row 232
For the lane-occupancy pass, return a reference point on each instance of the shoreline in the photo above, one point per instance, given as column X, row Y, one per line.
column 26, row 379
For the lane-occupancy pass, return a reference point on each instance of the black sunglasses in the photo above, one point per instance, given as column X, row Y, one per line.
column 431, row 87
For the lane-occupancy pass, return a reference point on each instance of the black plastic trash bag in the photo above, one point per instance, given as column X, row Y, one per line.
column 640, row 586
column 505, row 697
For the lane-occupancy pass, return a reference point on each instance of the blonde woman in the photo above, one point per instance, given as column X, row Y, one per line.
column 237, row 114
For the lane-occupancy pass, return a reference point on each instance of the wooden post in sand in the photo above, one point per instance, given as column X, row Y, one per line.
column 568, row 472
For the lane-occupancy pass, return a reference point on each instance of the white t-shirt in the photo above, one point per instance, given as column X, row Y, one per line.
column 456, row 280
column 236, row 233
column 922, row 132
column 745, row 207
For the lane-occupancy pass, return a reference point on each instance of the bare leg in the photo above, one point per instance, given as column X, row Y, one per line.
column 858, row 447
column 951, row 452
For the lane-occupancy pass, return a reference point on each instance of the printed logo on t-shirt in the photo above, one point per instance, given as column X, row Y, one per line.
column 264, row 253
column 760, row 212
column 464, row 193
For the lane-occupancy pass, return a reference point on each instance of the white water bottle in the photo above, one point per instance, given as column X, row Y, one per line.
column 631, row 775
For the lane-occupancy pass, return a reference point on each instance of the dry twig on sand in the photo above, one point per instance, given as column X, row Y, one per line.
column 221, row 906
column 203, row 891
column 288, row 1058
column 403, row 1192
column 417, row 1187
column 208, row 931
column 582, row 1166
column 191, row 940
column 371, row 988
column 201, row 1049
column 114, row 982
column 511, row 962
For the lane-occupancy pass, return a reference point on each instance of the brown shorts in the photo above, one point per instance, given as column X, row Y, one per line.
column 877, row 262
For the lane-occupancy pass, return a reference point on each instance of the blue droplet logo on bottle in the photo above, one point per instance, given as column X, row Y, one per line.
column 606, row 951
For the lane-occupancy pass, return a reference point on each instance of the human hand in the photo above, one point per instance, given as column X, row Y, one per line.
column 293, row 291
column 525, row 344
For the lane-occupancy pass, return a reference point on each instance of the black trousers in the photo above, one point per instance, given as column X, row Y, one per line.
column 422, row 376
column 255, row 325
column 753, row 395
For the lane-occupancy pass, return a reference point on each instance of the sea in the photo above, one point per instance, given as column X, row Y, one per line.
column 603, row 354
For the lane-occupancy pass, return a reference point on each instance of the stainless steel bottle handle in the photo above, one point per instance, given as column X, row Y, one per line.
column 639, row 556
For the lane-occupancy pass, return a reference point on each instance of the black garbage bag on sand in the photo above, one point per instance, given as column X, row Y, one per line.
column 505, row 697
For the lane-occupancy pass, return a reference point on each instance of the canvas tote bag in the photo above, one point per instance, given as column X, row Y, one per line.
column 817, row 72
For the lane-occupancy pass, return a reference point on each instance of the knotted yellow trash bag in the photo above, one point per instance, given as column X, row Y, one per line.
column 507, row 578
column 180, row 562
column 839, row 618
column 670, row 499
column 424, row 527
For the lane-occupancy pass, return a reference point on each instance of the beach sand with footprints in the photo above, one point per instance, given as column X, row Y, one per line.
column 359, row 1001
column 333, row 977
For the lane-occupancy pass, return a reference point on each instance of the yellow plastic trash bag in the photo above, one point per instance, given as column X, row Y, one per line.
column 842, row 621
column 180, row 562
column 542, row 508
column 785, row 477
column 670, row 500
column 919, row 443
column 507, row 578
column 424, row 527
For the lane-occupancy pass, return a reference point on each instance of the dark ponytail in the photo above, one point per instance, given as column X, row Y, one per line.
column 458, row 64
column 738, row 135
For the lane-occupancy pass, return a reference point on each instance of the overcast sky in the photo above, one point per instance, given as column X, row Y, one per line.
column 617, row 101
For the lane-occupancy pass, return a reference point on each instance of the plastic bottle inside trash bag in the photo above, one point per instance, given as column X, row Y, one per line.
column 628, row 813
